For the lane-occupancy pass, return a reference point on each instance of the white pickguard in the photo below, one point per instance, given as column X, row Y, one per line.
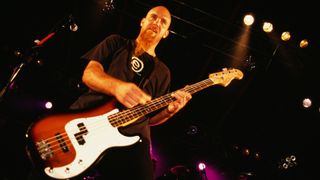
column 101, row 136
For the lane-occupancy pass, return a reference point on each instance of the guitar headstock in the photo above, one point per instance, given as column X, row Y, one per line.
column 225, row 76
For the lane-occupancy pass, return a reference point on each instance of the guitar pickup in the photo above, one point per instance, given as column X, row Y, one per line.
column 79, row 135
column 62, row 143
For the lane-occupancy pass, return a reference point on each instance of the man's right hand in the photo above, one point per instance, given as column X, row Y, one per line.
column 130, row 94
column 127, row 93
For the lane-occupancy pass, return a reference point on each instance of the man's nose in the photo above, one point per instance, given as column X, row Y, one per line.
column 158, row 21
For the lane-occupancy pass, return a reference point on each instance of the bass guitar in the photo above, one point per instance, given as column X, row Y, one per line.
column 67, row 144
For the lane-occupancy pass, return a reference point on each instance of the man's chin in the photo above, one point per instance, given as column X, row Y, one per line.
column 150, row 35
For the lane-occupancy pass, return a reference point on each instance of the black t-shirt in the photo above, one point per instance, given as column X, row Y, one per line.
column 115, row 53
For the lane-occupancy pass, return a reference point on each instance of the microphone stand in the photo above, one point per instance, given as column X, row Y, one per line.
column 10, row 83
column 30, row 58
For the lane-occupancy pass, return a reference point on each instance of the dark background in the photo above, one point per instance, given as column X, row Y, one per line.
column 263, row 112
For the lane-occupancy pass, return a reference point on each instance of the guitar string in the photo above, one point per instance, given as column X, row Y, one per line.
column 157, row 104
column 139, row 110
column 145, row 109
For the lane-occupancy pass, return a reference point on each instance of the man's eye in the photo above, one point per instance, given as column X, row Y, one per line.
column 153, row 17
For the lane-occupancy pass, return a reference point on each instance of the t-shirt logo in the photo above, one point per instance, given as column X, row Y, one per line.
column 136, row 65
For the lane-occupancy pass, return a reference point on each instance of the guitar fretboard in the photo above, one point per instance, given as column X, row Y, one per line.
column 130, row 115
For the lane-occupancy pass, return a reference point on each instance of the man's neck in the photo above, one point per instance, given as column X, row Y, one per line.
column 143, row 46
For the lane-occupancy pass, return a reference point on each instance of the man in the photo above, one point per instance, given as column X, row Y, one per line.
column 130, row 72
column 154, row 27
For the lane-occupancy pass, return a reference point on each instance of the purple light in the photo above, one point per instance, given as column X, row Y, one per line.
column 201, row 166
column 212, row 173
column 48, row 105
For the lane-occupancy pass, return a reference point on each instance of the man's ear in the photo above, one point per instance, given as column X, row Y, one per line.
column 166, row 34
column 142, row 21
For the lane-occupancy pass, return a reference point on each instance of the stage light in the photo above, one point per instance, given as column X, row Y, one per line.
column 48, row 105
column 201, row 166
column 304, row 43
column 257, row 156
column 108, row 6
column 246, row 152
column 306, row 102
column 192, row 130
column 285, row 36
column 267, row 27
column 248, row 20
column 288, row 162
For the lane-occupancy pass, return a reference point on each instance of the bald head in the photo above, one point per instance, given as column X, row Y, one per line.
column 157, row 20
column 162, row 12
column 154, row 27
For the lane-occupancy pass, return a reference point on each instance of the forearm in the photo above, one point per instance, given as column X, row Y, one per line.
column 160, row 118
column 127, row 93
column 95, row 78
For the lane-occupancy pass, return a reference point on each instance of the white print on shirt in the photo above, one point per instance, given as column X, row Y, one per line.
column 136, row 65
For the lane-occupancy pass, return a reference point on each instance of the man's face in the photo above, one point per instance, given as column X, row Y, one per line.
column 156, row 24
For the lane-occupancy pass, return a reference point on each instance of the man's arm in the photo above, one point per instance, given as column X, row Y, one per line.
column 126, row 93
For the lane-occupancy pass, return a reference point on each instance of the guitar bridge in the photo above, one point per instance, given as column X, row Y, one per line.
column 44, row 150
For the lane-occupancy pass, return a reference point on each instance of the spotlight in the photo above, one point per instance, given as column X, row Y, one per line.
column 201, row 166
column 192, row 130
column 285, row 36
column 304, row 43
column 288, row 162
column 108, row 6
column 306, row 103
column 246, row 152
column 267, row 27
column 248, row 19
column 257, row 156
column 202, row 169
column 48, row 105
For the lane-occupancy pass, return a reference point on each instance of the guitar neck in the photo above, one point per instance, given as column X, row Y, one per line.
column 128, row 116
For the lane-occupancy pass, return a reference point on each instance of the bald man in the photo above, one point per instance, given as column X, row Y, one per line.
column 126, row 73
